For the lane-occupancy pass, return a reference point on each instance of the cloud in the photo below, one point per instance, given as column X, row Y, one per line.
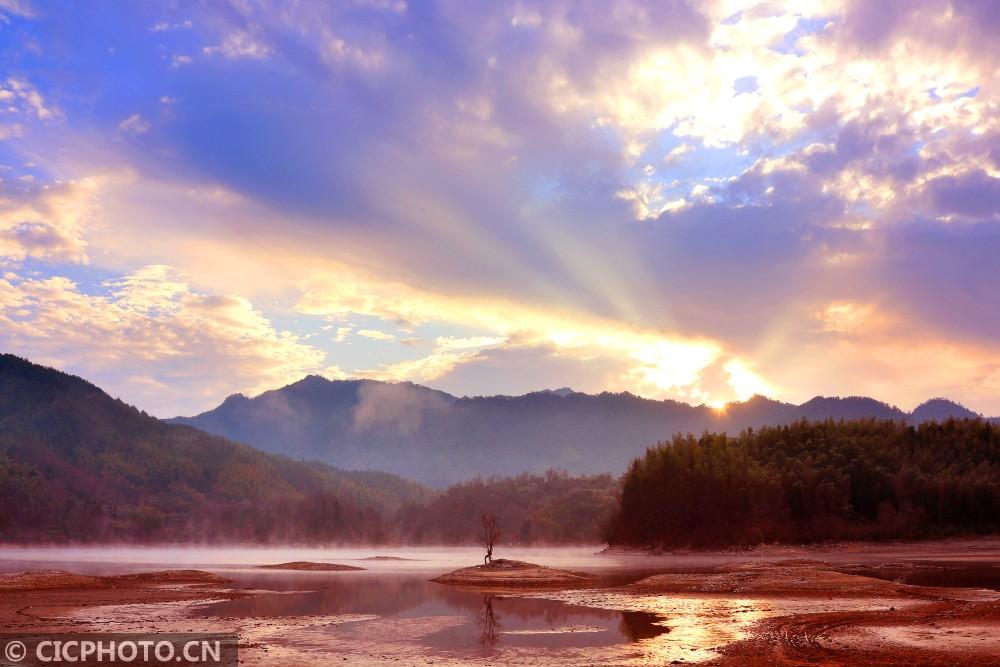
column 240, row 45
column 424, row 370
column 165, row 26
column 846, row 317
column 973, row 194
column 958, row 24
column 448, row 354
column 517, row 370
column 942, row 278
column 375, row 334
column 134, row 125
column 648, row 200
column 31, row 101
column 904, row 369
column 651, row 362
column 16, row 8
column 151, row 338
column 11, row 131
column 467, row 342
column 48, row 223
column 400, row 406
column 675, row 154
column 684, row 201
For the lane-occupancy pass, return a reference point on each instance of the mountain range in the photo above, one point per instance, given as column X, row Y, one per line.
column 439, row 439
column 79, row 465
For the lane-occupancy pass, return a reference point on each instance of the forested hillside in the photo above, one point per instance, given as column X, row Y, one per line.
column 531, row 509
column 807, row 481
column 76, row 464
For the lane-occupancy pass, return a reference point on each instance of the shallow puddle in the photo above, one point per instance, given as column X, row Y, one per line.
column 949, row 574
column 483, row 621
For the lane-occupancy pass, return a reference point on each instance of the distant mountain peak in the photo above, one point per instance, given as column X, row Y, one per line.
column 561, row 391
column 310, row 381
column 941, row 409
column 756, row 399
column 844, row 399
column 236, row 398
column 940, row 402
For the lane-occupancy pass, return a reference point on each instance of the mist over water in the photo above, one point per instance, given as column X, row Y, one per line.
column 428, row 560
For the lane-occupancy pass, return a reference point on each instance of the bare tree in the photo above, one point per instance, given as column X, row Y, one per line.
column 488, row 535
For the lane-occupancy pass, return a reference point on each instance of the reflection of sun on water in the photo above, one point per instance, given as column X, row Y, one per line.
column 697, row 625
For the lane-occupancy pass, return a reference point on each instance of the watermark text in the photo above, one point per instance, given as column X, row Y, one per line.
column 79, row 650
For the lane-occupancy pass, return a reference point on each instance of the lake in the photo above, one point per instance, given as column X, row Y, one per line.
column 392, row 612
column 396, row 592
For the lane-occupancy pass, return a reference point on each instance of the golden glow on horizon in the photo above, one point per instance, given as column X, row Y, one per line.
column 652, row 364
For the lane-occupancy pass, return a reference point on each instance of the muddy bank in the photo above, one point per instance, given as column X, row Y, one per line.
column 309, row 566
column 799, row 578
column 44, row 600
column 946, row 632
column 39, row 580
column 857, row 619
column 516, row 574
column 985, row 549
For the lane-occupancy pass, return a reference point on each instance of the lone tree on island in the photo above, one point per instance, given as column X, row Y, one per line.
column 489, row 533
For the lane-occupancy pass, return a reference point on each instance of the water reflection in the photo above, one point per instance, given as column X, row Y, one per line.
column 639, row 625
column 686, row 628
column 483, row 621
column 934, row 573
column 488, row 625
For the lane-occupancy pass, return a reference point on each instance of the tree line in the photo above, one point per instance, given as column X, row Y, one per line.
column 553, row 508
column 814, row 481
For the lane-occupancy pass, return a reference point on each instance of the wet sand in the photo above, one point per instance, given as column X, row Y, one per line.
column 49, row 600
column 878, row 622
column 504, row 574
column 786, row 606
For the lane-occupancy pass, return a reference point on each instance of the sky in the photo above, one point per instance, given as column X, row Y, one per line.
column 700, row 201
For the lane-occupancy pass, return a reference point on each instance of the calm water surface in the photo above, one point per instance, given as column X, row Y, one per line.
column 488, row 619
column 958, row 574
column 388, row 589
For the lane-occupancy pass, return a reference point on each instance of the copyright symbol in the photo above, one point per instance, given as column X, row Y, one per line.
column 15, row 651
